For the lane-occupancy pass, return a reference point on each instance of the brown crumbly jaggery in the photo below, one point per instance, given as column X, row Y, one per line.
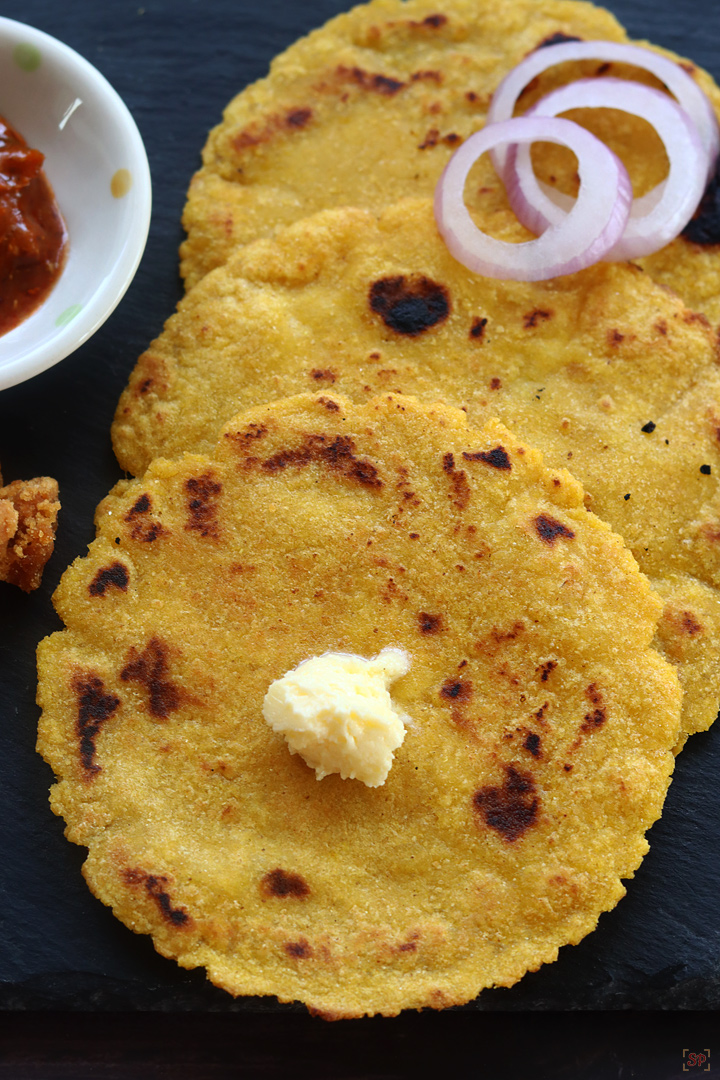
column 28, row 520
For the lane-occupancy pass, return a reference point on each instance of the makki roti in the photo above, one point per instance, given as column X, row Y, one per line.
column 368, row 109
column 605, row 371
column 538, row 750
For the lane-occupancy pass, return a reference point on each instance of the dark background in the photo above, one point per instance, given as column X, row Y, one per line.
column 79, row 992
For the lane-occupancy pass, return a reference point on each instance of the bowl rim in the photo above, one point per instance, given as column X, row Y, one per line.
column 111, row 290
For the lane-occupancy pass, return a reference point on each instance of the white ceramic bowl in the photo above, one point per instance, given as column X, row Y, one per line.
column 97, row 166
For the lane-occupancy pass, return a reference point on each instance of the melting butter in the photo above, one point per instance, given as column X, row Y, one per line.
column 336, row 712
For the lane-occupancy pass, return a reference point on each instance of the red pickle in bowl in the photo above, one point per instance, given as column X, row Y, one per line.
column 33, row 237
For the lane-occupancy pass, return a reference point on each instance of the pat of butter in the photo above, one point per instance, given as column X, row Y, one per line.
column 335, row 711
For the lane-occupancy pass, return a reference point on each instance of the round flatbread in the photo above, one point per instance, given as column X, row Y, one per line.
column 368, row 109
column 606, row 372
column 541, row 721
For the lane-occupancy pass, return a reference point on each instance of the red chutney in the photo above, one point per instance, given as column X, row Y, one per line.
column 33, row 237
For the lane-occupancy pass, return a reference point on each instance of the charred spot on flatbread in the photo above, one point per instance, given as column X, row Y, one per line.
column 280, row 884
column 557, row 39
column 533, row 744
column 113, row 576
column 510, row 808
column 374, row 81
column 549, row 529
column 337, row 453
column 497, row 458
column 202, row 497
column 156, row 889
column 94, row 707
column 143, row 528
column 149, row 668
column 597, row 717
column 409, row 305
column 477, row 329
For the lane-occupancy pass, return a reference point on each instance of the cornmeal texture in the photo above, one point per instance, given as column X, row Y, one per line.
column 538, row 750
column 608, row 373
column 368, row 109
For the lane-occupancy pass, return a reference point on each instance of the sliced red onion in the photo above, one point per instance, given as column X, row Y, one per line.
column 585, row 235
column 656, row 218
column 684, row 88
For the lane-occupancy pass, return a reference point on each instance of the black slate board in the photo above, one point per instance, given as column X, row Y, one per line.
column 177, row 63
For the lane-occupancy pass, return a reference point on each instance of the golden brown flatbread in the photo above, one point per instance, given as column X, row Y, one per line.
column 608, row 373
column 537, row 753
column 367, row 110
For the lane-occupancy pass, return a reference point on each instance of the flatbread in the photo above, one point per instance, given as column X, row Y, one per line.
column 537, row 753
column 606, row 372
column 368, row 109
